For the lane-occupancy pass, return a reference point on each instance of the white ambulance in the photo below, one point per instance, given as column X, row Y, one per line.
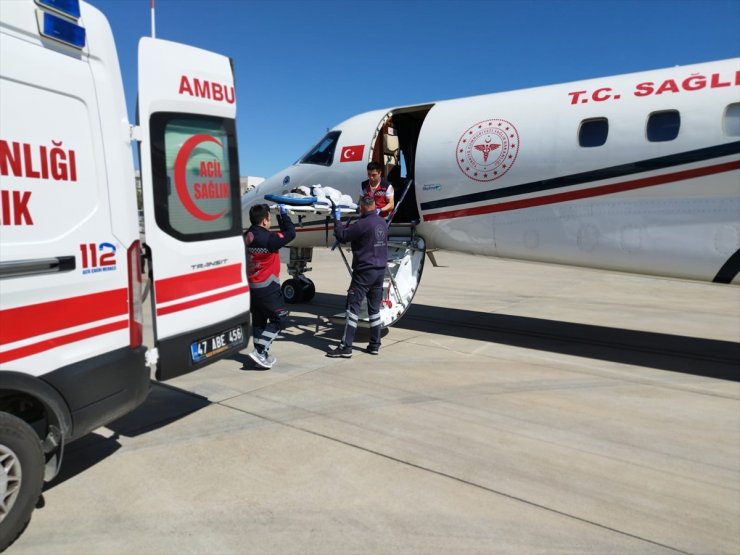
column 71, row 353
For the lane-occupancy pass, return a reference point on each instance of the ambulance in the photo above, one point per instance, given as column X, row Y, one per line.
column 73, row 252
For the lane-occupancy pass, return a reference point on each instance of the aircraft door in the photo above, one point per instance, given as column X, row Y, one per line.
column 406, row 248
column 192, row 215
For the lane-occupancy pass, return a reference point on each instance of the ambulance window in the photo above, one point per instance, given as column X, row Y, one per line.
column 323, row 152
column 663, row 126
column 732, row 120
column 196, row 176
column 593, row 132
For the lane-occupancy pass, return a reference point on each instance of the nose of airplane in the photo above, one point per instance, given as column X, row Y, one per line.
column 251, row 197
column 272, row 185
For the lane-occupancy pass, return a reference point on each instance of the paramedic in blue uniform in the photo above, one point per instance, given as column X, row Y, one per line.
column 378, row 188
column 368, row 237
column 263, row 272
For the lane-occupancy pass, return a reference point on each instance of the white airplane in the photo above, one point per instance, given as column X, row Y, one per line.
column 637, row 173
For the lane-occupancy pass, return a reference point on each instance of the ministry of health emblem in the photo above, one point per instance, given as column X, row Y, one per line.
column 488, row 149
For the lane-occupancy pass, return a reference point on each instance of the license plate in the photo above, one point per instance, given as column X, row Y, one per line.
column 216, row 344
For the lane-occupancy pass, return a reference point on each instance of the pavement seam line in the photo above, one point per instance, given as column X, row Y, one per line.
column 461, row 480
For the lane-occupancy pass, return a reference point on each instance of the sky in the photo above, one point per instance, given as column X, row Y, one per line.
column 304, row 66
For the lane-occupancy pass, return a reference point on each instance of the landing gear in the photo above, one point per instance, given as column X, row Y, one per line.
column 297, row 290
column 309, row 291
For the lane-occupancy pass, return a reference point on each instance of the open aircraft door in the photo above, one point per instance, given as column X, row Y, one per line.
column 192, row 213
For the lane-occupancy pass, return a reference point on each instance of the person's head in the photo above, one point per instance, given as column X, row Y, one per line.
column 367, row 204
column 258, row 214
column 374, row 171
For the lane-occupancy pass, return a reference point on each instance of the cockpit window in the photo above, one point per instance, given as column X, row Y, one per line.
column 323, row 153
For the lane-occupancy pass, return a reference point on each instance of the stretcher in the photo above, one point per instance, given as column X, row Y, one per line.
column 301, row 205
column 405, row 256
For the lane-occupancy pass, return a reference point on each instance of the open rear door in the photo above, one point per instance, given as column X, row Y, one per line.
column 192, row 213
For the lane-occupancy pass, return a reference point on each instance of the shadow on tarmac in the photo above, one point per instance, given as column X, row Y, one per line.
column 312, row 331
column 164, row 405
column 80, row 455
column 690, row 355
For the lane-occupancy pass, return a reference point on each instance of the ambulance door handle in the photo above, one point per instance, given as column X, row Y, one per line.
column 17, row 268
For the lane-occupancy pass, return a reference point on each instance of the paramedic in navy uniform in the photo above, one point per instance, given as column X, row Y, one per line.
column 378, row 188
column 369, row 239
column 263, row 273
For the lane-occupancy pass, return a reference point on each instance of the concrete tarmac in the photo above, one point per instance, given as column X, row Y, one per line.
column 517, row 408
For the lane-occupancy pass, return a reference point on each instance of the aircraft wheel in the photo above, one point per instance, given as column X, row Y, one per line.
column 292, row 291
column 21, row 476
column 309, row 289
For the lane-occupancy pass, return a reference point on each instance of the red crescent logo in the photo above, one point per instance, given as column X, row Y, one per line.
column 181, row 183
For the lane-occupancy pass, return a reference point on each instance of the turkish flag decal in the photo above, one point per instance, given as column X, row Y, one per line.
column 352, row 153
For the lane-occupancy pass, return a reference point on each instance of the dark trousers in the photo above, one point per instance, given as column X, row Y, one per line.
column 367, row 284
column 269, row 316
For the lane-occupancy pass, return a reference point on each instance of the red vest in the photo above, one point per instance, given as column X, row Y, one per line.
column 263, row 266
column 378, row 194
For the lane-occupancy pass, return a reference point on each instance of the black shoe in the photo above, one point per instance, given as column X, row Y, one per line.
column 373, row 349
column 340, row 352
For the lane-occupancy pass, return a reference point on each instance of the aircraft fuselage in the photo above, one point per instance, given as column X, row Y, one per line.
column 637, row 173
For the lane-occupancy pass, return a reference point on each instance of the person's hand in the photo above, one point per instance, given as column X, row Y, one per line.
column 282, row 210
column 337, row 213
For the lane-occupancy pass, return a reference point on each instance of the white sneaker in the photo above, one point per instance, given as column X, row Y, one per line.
column 263, row 360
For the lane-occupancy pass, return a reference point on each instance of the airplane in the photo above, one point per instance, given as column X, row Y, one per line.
column 636, row 173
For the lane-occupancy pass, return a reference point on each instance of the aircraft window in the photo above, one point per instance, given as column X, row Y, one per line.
column 323, row 152
column 663, row 126
column 593, row 132
column 732, row 120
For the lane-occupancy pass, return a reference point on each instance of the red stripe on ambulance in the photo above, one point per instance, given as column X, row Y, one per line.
column 203, row 300
column 48, row 344
column 178, row 287
column 24, row 322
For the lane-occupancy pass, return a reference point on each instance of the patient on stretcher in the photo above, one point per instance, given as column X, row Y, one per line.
column 320, row 198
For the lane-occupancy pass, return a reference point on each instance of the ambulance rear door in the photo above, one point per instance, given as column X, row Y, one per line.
column 192, row 214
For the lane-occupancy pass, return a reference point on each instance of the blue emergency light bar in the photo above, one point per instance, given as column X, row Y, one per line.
column 63, row 30
column 70, row 8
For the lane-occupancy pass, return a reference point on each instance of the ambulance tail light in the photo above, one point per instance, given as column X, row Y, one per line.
column 135, row 311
